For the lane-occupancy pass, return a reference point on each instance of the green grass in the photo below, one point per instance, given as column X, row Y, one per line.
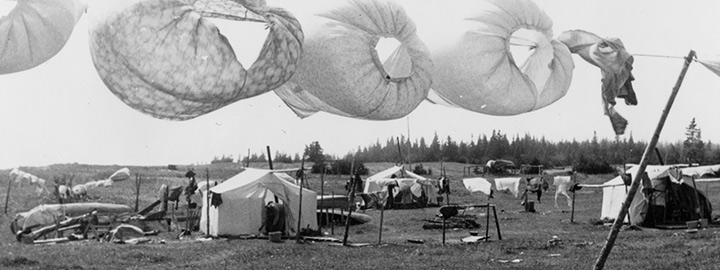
column 525, row 235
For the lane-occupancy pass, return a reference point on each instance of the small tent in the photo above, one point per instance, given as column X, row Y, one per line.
column 238, row 204
column 411, row 189
column 663, row 198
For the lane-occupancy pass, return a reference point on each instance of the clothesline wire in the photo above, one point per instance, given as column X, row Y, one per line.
column 660, row 56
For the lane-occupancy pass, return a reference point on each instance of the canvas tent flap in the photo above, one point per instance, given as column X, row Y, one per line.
column 244, row 197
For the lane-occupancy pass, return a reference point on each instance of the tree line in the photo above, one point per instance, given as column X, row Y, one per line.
column 525, row 149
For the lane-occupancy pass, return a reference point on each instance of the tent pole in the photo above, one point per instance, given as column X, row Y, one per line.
column 7, row 194
column 137, row 191
column 615, row 229
column 302, row 176
column 572, row 211
column 207, row 200
column 351, row 199
column 487, row 222
column 322, row 192
column 382, row 214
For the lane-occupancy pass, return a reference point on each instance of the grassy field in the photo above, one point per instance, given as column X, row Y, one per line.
column 525, row 236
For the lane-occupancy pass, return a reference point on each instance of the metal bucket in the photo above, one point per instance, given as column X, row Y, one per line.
column 275, row 237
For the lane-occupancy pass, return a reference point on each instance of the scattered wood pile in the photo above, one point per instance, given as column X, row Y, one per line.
column 458, row 221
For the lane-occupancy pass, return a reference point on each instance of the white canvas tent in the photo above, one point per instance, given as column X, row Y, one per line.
column 615, row 192
column 244, row 197
column 406, row 180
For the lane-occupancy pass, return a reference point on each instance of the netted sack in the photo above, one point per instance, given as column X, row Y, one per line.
column 34, row 31
column 340, row 72
column 475, row 69
column 163, row 58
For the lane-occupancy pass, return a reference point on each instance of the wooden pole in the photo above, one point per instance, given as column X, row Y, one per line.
column 302, row 176
column 382, row 214
column 497, row 223
column 137, row 192
column 572, row 211
column 322, row 194
column 659, row 157
column 207, row 200
column 443, row 228
column 332, row 216
column 351, row 199
column 269, row 157
column 615, row 229
column 400, row 158
column 247, row 162
column 7, row 194
column 487, row 222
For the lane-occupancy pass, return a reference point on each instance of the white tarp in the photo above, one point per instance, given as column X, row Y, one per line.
column 244, row 197
column 478, row 184
column 511, row 184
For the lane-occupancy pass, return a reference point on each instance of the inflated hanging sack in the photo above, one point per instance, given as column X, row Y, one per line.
column 340, row 72
column 34, row 31
column 163, row 58
column 475, row 70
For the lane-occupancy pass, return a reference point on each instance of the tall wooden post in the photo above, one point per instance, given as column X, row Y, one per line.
column 137, row 191
column 207, row 200
column 269, row 157
column 302, row 176
column 615, row 229
column 351, row 199
column 322, row 195
column 7, row 194
column 572, row 211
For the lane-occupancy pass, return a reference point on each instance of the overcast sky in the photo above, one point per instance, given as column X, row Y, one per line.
column 61, row 112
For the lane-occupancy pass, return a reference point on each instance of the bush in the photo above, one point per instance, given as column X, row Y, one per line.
column 344, row 167
column 594, row 166
column 419, row 170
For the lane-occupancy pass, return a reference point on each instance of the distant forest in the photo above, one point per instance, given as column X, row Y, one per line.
column 521, row 150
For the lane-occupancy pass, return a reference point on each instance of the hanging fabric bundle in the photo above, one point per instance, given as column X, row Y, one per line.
column 475, row 69
column 163, row 58
column 340, row 72
column 615, row 64
column 36, row 30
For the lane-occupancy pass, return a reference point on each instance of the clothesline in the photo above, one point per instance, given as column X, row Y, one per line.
column 658, row 55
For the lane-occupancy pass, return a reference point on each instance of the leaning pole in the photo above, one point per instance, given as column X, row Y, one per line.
column 615, row 229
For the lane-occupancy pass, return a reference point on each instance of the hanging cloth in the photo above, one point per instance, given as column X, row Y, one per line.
column 615, row 64
column 215, row 199
column 35, row 30
column 163, row 58
column 478, row 184
column 340, row 72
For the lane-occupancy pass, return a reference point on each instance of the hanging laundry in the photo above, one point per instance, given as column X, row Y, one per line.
column 340, row 72
column 163, row 58
column 615, row 64
column 478, row 184
column 35, row 30
column 474, row 67
column 215, row 199
column 561, row 187
column 511, row 184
